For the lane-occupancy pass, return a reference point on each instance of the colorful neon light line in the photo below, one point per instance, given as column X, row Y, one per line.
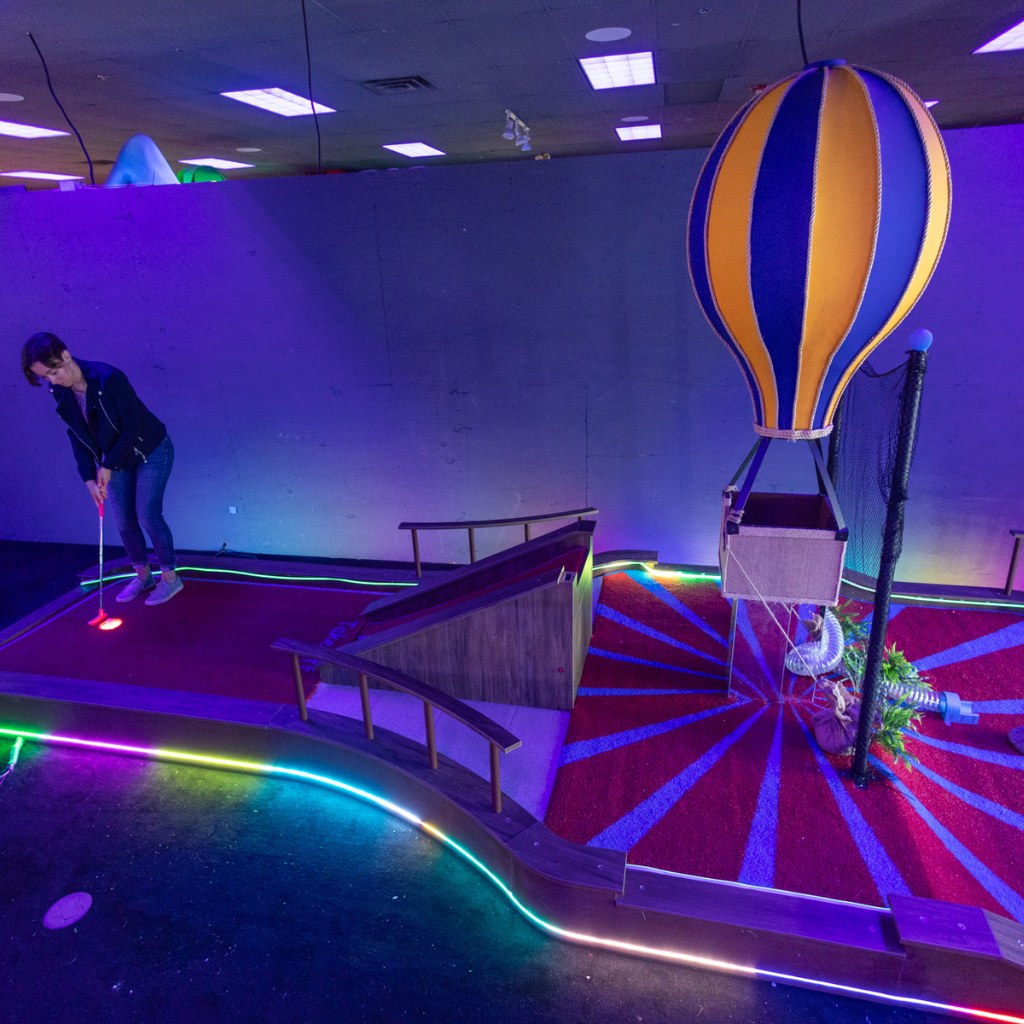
column 260, row 575
column 568, row 934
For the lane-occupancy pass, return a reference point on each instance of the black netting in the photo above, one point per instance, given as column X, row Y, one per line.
column 862, row 453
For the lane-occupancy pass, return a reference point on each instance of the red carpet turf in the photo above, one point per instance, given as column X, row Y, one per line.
column 737, row 788
column 214, row 637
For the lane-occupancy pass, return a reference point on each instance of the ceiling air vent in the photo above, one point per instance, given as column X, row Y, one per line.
column 393, row 86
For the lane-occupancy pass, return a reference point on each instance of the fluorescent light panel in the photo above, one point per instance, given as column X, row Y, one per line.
column 27, row 131
column 1011, row 39
column 212, row 161
column 41, row 175
column 414, row 149
column 641, row 131
column 278, row 101
column 619, row 70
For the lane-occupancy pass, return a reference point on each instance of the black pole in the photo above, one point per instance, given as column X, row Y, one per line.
column 892, row 545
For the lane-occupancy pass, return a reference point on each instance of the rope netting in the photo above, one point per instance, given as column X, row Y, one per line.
column 862, row 454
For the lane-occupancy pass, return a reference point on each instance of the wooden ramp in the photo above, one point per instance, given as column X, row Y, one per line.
column 513, row 628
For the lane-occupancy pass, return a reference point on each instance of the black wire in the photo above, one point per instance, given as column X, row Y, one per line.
column 309, row 83
column 800, row 29
column 92, row 179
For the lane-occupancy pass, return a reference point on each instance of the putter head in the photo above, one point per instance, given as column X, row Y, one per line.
column 99, row 618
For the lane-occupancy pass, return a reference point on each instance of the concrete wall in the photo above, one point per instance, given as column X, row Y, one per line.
column 334, row 355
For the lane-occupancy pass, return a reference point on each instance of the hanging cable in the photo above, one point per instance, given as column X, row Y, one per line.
column 800, row 29
column 309, row 83
column 92, row 179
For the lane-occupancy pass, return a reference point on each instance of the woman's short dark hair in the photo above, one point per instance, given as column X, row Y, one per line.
column 42, row 348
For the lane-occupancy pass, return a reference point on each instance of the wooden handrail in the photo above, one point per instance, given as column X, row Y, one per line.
column 482, row 524
column 499, row 738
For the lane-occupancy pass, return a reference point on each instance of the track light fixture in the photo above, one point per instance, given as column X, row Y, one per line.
column 518, row 130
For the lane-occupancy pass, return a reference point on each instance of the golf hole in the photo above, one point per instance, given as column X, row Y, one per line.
column 110, row 623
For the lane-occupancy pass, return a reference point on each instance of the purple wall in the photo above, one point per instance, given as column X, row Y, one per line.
column 333, row 355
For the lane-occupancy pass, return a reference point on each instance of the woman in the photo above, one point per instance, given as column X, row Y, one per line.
column 122, row 450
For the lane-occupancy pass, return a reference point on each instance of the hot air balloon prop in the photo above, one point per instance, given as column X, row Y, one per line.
column 816, row 223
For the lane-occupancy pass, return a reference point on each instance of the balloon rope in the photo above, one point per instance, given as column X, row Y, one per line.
column 782, row 630
column 800, row 29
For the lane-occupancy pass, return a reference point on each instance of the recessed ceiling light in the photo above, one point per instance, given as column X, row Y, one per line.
column 930, row 103
column 212, row 161
column 41, row 175
column 619, row 70
column 608, row 35
column 278, row 101
column 1011, row 39
column 642, row 131
column 10, row 97
column 27, row 131
column 637, row 117
column 414, row 149
column 248, row 149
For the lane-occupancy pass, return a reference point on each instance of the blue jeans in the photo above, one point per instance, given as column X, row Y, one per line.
column 137, row 495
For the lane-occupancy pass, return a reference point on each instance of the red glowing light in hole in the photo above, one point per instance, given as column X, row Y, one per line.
column 110, row 623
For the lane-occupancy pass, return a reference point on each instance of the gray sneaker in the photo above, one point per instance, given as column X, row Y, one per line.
column 136, row 587
column 165, row 591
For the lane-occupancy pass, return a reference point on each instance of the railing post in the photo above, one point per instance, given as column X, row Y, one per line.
column 526, row 530
column 472, row 545
column 1018, row 536
column 300, row 693
column 416, row 553
column 364, row 697
column 495, row 780
column 428, row 721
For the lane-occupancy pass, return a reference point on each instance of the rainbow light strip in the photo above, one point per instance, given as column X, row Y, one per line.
column 662, row 953
column 259, row 575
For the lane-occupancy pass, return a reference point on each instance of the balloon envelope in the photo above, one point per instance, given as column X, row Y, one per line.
column 815, row 226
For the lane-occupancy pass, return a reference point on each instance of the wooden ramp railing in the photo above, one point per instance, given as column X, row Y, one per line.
column 483, row 524
column 499, row 738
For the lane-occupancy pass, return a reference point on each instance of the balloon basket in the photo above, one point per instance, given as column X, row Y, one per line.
column 785, row 549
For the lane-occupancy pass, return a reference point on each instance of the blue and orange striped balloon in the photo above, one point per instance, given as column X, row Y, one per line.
column 815, row 226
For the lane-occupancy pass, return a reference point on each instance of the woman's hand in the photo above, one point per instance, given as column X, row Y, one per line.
column 98, row 487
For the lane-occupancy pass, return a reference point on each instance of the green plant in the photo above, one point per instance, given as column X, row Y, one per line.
column 897, row 718
column 897, row 715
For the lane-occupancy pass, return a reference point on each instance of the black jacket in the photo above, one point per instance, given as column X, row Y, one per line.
column 118, row 431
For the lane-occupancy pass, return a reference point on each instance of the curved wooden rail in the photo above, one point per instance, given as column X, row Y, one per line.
column 483, row 524
column 500, row 739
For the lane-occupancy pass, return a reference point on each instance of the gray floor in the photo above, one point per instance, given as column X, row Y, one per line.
column 527, row 774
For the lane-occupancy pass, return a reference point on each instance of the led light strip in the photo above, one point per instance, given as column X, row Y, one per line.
column 898, row 598
column 547, row 926
column 262, row 576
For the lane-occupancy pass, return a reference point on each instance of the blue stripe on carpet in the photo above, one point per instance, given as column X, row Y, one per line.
column 582, row 749
column 639, row 627
column 884, row 873
column 635, row 824
column 1006, row 897
column 998, row 707
column 746, row 628
column 615, row 656
column 991, row 756
column 609, row 691
column 759, row 857
column 667, row 597
column 1000, row 640
column 974, row 799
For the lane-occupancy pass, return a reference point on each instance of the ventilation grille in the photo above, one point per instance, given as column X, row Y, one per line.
column 391, row 86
